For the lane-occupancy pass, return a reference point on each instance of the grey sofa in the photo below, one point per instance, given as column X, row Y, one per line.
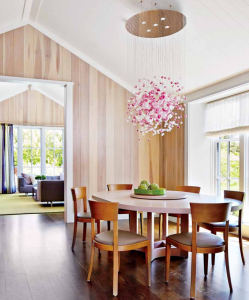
column 23, row 187
column 50, row 191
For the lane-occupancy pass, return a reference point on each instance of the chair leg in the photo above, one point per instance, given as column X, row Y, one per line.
column 148, row 262
column 228, row 270
column 160, row 225
column 108, row 225
column 167, row 260
column 74, row 234
column 84, row 231
column 91, row 263
column 193, row 275
column 142, row 223
column 115, row 273
column 119, row 261
column 205, row 259
column 213, row 254
column 241, row 245
column 178, row 225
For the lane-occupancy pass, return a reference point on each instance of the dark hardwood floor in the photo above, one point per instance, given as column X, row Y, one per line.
column 36, row 262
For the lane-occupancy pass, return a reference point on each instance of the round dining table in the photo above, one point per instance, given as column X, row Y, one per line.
column 164, row 207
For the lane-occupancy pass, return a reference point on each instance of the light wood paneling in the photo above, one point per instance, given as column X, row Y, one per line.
column 31, row 108
column 105, row 147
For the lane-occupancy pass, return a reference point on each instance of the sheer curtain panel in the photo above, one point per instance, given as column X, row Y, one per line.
column 7, row 181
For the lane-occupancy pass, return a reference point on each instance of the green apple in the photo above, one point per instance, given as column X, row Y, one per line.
column 145, row 182
column 143, row 187
column 154, row 186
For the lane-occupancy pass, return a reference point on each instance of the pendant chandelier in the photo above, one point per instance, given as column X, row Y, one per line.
column 156, row 60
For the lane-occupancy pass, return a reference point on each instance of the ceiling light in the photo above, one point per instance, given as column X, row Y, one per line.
column 176, row 21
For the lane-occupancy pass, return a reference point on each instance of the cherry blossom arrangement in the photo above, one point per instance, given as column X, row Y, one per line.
column 156, row 106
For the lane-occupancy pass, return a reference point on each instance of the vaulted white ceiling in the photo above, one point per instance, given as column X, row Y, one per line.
column 52, row 91
column 217, row 33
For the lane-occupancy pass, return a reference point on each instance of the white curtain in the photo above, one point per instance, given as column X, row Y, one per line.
column 228, row 116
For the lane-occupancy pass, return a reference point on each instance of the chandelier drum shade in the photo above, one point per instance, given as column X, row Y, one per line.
column 156, row 23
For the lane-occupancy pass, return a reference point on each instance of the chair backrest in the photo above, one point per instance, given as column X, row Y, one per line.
column 119, row 187
column 79, row 193
column 107, row 211
column 188, row 189
column 234, row 195
column 210, row 212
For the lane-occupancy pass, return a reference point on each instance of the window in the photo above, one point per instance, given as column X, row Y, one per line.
column 54, row 152
column 32, row 151
column 228, row 164
column 38, row 151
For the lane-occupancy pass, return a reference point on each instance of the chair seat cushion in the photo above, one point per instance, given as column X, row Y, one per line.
column 204, row 239
column 221, row 224
column 84, row 215
column 124, row 238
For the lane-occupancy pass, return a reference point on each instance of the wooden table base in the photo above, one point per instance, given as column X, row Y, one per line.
column 158, row 247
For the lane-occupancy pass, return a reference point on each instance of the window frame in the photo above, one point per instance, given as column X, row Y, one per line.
column 217, row 178
column 54, row 148
column 31, row 148
column 42, row 143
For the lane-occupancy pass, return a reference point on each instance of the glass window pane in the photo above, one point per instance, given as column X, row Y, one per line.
column 36, row 157
column 50, row 171
column 26, row 137
column 27, row 170
column 15, row 137
column 58, row 158
column 15, row 156
column 49, row 138
column 234, row 185
column 223, row 159
column 223, row 186
column 26, row 157
column 58, row 138
column 36, row 171
column 58, row 171
column 36, row 138
column 234, row 159
column 49, row 158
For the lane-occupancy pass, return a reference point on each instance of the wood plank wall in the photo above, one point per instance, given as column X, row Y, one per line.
column 31, row 108
column 106, row 147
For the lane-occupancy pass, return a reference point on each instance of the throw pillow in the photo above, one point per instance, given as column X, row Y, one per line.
column 33, row 180
column 27, row 178
column 61, row 176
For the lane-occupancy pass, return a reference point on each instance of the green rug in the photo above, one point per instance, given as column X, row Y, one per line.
column 15, row 204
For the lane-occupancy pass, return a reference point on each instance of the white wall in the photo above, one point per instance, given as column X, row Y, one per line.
column 200, row 150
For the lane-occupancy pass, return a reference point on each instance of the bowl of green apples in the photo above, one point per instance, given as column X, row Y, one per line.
column 147, row 188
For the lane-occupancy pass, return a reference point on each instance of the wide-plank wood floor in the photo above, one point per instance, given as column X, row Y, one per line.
column 36, row 262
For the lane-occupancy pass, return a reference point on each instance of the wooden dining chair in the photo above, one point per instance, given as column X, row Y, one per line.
column 202, row 242
column 79, row 193
column 233, row 226
column 180, row 188
column 122, row 187
column 115, row 240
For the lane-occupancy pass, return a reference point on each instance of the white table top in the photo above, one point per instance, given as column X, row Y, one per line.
column 159, row 206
